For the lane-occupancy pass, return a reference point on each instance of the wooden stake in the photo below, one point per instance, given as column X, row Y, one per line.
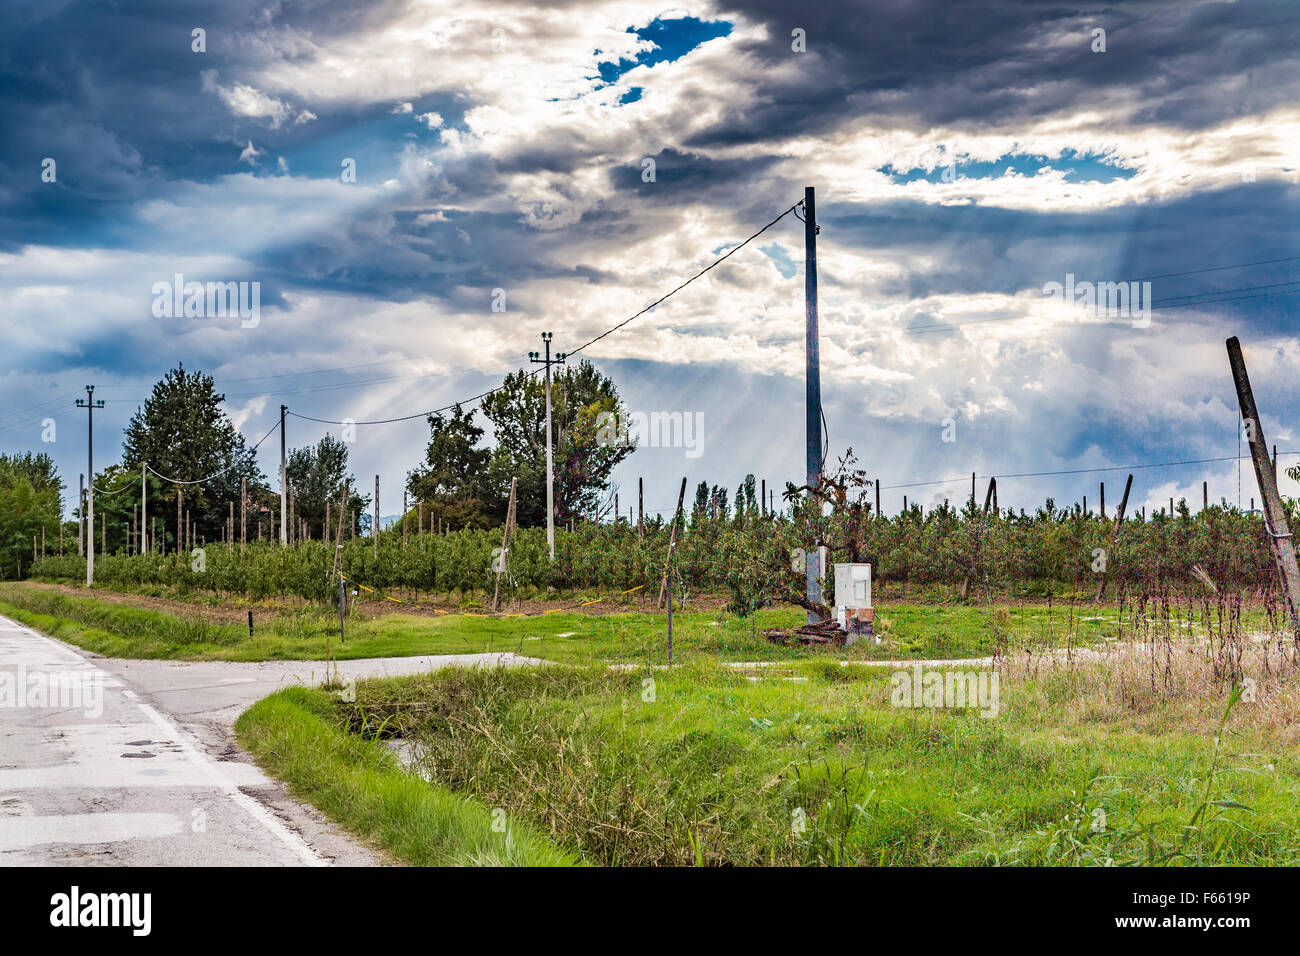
column 640, row 507
column 505, row 547
column 374, row 532
column 1114, row 534
column 672, row 541
column 1276, row 524
column 243, row 515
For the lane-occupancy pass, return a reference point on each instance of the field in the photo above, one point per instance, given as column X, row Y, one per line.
column 746, row 558
column 1151, row 730
column 111, row 624
column 1084, row 764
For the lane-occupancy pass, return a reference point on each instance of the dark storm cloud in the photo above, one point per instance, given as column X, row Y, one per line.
column 911, row 64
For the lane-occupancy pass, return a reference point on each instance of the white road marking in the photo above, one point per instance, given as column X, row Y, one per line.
column 247, row 803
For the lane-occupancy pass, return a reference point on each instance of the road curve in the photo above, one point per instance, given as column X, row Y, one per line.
column 131, row 763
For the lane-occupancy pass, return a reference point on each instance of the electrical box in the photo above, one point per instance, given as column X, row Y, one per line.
column 853, row 601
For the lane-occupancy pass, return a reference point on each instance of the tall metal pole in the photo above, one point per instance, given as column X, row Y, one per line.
column 90, row 405
column 550, row 467
column 284, row 486
column 813, row 381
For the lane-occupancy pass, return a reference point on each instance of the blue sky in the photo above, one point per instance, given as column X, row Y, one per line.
column 964, row 157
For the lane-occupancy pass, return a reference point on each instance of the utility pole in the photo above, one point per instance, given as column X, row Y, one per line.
column 90, row 405
column 812, row 384
column 1276, row 524
column 284, row 485
column 144, row 522
column 550, row 468
column 81, row 514
column 374, row 532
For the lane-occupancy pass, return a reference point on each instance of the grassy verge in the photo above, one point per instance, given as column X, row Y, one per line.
column 1085, row 764
column 910, row 631
column 356, row 781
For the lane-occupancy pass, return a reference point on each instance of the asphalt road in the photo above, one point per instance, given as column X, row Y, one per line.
column 126, row 763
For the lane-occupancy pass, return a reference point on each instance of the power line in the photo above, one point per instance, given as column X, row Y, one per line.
column 614, row 328
column 711, row 265
column 1193, row 272
column 1078, row 471
column 215, row 474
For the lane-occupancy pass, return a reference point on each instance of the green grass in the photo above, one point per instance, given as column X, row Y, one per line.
column 356, row 781
column 909, row 631
column 715, row 768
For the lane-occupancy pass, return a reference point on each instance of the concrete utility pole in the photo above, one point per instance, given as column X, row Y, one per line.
column 813, row 383
column 374, row 532
column 550, row 468
column 90, row 405
column 1276, row 524
column 81, row 514
column 144, row 522
column 284, row 485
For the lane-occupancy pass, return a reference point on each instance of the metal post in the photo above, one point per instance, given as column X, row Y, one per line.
column 550, row 466
column 284, row 485
column 342, row 599
column 90, row 405
column 812, row 382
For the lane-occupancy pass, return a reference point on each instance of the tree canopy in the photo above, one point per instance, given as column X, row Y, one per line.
column 183, row 432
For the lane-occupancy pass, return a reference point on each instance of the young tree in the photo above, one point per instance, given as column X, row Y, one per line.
column 454, row 482
column 31, row 501
column 316, row 474
column 583, row 462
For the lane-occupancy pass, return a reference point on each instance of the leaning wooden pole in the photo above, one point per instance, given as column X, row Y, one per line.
column 672, row 541
column 505, row 547
column 1114, row 534
column 1276, row 525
